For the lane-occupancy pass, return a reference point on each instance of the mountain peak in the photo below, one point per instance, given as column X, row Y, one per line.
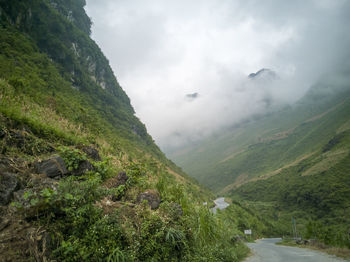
column 264, row 73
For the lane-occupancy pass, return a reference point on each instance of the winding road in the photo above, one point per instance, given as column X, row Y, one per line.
column 220, row 203
column 265, row 250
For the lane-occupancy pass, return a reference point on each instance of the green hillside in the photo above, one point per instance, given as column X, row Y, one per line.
column 261, row 147
column 80, row 177
column 292, row 164
column 315, row 192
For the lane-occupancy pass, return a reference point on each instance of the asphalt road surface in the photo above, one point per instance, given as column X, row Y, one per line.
column 220, row 203
column 265, row 250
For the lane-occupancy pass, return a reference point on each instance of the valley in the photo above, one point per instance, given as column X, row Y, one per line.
column 82, row 179
column 291, row 164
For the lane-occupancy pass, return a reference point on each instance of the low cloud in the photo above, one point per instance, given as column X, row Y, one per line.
column 163, row 50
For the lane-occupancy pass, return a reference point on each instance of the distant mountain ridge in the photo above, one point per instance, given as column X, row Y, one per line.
column 263, row 73
column 293, row 164
column 263, row 145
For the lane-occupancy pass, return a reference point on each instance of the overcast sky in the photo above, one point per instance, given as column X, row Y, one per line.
column 184, row 64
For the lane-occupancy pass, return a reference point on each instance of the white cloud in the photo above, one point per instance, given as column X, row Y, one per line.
column 162, row 50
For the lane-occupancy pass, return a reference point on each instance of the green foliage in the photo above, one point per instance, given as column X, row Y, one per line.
column 116, row 256
column 104, row 169
column 136, row 173
column 322, row 197
column 57, row 86
column 120, row 191
column 330, row 235
column 72, row 157
column 257, row 148
column 42, row 66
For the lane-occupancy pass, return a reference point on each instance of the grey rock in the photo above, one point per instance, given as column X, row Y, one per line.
column 8, row 184
column 52, row 167
column 92, row 153
column 152, row 197
column 84, row 166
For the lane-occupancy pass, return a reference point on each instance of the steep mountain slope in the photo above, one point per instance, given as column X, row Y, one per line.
column 263, row 146
column 80, row 178
column 45, row 50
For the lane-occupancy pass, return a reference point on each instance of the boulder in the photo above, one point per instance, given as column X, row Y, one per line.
column 53, row 167
column 84, row 166
column 152, row 197
column 92, row 153
column 116, row 181
column 8, row 184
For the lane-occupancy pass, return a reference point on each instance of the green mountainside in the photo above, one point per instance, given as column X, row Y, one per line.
column 260, row 148
column 80, row 177
column 291, row 164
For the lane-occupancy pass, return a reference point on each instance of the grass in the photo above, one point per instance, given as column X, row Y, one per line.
column 271, row 143
column 197, row 233
column 55, row 103
column 42, row 120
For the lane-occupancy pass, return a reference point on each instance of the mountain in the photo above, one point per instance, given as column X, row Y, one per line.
column 80, row 177
column 260, row 146
column 263, row 73
column 293, row 163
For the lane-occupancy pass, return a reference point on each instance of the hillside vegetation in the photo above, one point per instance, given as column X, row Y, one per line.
column 289, row 165
column 315, row 192
column 262, row 147
column 81, row 179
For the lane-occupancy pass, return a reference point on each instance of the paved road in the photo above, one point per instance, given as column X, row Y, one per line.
column 265, row 250
column 220, row 203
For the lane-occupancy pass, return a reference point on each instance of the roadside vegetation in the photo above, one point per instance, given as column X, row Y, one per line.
column 291, row 165
column 80, row 177
column 89, row 215
column 316, row 195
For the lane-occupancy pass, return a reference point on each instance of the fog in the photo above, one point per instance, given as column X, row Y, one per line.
column 185, row 64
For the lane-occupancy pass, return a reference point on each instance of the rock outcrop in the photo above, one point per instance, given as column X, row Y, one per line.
column 53, row 167
column 152, row 197
column 8, row 184
column 92, row 153
column 84, row 166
